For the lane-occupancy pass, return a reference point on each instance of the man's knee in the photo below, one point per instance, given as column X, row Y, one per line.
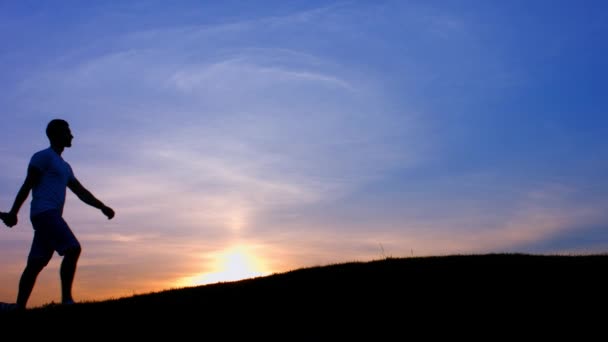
column 35, row 264
column 73, row 251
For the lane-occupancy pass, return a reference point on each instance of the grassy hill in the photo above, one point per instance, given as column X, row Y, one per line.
column 505, row 292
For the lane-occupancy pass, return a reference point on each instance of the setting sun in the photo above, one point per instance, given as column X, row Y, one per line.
column 235, row 263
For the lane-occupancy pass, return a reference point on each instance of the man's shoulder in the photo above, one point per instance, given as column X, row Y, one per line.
column 40, row 155
column 43, row 151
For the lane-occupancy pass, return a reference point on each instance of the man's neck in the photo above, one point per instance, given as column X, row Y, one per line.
column 58, row 149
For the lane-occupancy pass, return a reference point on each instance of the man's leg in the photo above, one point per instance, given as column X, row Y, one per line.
column 28, row 280
column 67, row 271
column 55, row 235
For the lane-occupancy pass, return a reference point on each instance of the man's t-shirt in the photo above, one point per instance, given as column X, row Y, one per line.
column 50, row 192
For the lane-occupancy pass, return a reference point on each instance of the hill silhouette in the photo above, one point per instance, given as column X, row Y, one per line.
column 505, row 292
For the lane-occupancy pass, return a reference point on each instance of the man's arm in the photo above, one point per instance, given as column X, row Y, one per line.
column 32, row 178
column 87, row 197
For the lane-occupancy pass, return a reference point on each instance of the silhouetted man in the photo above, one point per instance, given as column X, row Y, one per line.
column 48, row 176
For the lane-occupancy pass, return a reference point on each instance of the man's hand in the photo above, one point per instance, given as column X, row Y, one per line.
column 10, row 220
column 108, row 212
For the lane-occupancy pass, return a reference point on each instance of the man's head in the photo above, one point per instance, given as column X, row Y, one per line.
column 58, row 132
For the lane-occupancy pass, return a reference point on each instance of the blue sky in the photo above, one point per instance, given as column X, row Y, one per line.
column 236, row 139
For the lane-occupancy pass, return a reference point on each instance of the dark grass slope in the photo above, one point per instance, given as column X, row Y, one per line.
column 506, row 293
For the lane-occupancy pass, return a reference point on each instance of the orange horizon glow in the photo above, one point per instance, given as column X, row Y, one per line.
column 235, row 263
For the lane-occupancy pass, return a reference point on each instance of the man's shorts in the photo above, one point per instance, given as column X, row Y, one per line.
column 51, row 233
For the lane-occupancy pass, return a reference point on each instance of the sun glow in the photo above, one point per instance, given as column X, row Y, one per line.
column 233, row 264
